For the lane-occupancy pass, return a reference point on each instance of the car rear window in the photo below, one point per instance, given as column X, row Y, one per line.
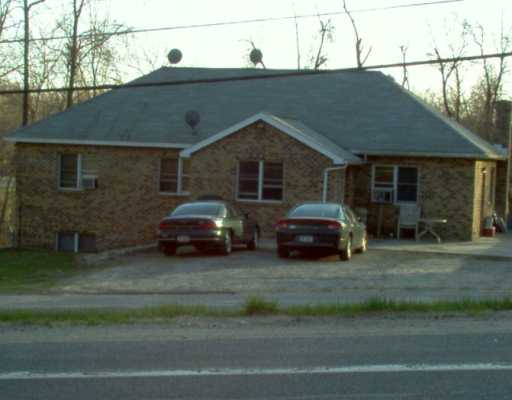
column 316, row 210
column 212, row 209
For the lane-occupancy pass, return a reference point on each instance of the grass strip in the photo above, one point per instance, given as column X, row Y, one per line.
column 25, row 270
column 252, row 307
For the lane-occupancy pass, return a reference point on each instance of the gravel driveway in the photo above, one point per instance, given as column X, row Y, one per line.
column 379, row 273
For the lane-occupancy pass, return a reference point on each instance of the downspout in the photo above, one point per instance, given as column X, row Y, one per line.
column 326, row 177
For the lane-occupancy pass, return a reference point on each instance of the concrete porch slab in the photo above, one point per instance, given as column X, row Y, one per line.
column 499, row 246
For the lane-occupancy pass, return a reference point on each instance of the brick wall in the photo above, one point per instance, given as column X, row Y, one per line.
column 214, row 171
column 447, row 189
column 123, row 211
column 126, row 207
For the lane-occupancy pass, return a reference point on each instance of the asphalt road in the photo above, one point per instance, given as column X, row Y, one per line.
column 250, row 359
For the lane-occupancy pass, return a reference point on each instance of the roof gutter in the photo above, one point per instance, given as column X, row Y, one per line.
column 98, row 143
column 366, row 153
column 326, row 178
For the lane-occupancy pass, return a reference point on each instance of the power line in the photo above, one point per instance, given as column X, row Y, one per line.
column 239, row 22
column 270, row 75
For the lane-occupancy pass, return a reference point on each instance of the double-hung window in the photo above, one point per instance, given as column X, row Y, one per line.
column 394, row 184
column 260, row 181
column 77, row 171
column 173, row 176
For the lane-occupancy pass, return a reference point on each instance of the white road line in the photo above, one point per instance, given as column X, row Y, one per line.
column 28, row 375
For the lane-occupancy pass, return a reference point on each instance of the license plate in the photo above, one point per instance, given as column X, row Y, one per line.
column 183, row 239
column 305, row 239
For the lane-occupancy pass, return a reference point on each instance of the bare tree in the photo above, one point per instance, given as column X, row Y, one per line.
column 27, row 7
column 73, row 48
column 326, row 30
column 6, row 66
column 452, row 96
column 89, row 57
column 361, row 57
column 5, row 10
column 492, row 83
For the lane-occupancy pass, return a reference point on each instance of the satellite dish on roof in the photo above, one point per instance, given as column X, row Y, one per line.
column 192, row 118
column 256, row 56
column 175, row 56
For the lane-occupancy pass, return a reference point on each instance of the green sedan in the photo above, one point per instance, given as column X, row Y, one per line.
column 329, row 226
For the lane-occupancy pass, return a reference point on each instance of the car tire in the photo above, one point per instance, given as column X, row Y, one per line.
column 253, row 243
column 283, row 252
column 364, row 244
column 227, row 245
column 346, row 253
column 169, row 249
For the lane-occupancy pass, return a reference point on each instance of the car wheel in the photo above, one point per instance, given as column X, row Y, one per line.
column 364, row 244
column 169, row 250
column 346, row 253
column 227, row 246
column 283, row 252
column 253, row 243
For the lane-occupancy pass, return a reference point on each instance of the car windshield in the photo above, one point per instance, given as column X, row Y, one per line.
column 212, row 209
column 316, row 210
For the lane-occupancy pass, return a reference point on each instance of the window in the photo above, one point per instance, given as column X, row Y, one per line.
column 248, row 180
column 383, row 184
column 77, row 171
column 394, row 184
column 260, row 181
column 67, row 242
column 407, row 185
column 73, row 242
column 316, row 211
column 173, row 175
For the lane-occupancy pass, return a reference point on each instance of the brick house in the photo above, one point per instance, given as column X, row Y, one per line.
column 103, row 173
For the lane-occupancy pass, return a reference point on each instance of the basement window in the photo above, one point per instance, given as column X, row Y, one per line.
column 260, row 181
column 73, row 242
column 394, row 184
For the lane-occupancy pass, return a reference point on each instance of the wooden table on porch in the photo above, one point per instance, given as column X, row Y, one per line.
column 429, row 227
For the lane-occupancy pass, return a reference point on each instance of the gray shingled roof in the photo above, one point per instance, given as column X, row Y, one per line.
column 363, row 112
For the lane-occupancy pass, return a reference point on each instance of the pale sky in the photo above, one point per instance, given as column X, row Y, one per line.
column 384, row 30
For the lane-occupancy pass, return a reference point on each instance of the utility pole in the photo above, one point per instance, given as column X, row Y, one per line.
column 26, row 42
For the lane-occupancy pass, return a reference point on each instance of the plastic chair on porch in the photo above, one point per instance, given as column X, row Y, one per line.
column 409, row 218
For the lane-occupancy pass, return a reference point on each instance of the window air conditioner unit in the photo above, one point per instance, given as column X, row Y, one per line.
column 89, row 182
column 382, row 195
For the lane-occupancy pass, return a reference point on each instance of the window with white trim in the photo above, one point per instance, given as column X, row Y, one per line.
column 174, row 178
column 77, row 171
column 260, row 181
column 74, row 242
column 394, row 184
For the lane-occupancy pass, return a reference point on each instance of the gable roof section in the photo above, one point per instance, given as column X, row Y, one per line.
column 363, row 112
column 290, row 127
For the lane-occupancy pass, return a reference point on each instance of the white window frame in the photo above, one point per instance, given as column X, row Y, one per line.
column 79, row 174
column 261, row 175
column 179, row 177
column 395, row 183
